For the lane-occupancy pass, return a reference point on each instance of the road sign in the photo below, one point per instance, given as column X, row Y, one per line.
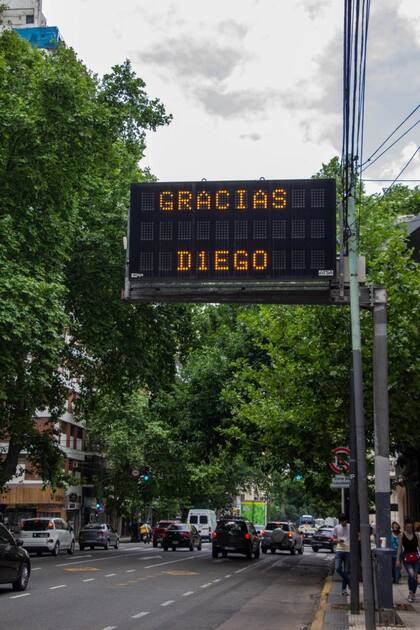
column 213, row 235
column 341, row 462
column 340, row 481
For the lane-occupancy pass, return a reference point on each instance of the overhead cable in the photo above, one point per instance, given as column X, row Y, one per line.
column 391, row 134
column 368, row 163
column 402, row 170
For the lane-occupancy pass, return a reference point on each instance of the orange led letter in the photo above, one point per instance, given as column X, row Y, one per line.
column 184, row 261
column 240, row 260
column 221, row 262
column 260, row 260
column 184, row 200
column 279, row 198
column 260, row 199
column 222, row 199
column 203, row 200
column 203, row 259
column 166, row 201
column 241, row 205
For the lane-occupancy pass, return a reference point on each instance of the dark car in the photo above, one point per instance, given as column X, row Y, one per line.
column 181, row 535
column 15, row 565
column 98, row 535
column 323, row 539
column 235, row 536
column 160, row 531
column 282, row 536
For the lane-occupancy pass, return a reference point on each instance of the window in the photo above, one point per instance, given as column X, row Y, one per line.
column 37, row 525
column 194, row 519
column 203, row 520
column 30, row 19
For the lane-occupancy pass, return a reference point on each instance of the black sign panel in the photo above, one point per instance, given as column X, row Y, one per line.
column 236, row 231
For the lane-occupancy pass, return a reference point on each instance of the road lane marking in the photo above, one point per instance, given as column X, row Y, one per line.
column 215, row 581
column 205, row 585
column 228, row 575
column 110, row 575
column 36, row 569
column 140, row 615
column 110, row 628
column 85, row 555
column 188, row 593
column 168, row 603
column 161, row 564
column 89, row 580
column 17, row 596
column 130, row 571
column 150, row 558
column 109, row 557
column 244, row 569
column 53, row 588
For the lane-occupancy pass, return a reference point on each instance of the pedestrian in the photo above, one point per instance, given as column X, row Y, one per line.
column 395, row 543
column 409, row 547
column 342, row 555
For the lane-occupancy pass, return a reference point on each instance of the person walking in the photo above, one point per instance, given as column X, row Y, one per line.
column 395, row 543
column 342, row 555
column 409, row 547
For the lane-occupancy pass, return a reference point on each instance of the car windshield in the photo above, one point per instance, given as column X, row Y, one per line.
column 164, row 523
column 37, row 525
column 94, row 526
column 231, row 526
column 178, row 528
column 271, row 526
column 326, row 531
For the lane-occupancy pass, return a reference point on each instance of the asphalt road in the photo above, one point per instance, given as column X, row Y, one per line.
column 141, row 587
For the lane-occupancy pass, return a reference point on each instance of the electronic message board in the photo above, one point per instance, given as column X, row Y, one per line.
column 234, row 232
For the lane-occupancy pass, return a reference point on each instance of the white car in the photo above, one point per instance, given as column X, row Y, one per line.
column 47, row 534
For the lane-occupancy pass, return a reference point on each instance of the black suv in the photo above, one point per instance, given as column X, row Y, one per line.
column 324, row 539
column 235, row 536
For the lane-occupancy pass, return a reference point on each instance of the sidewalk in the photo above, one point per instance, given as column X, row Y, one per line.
column 337, row 614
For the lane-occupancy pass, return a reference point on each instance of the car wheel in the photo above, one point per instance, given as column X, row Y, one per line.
column 173, row 548
column 199, row 547
column 22, row 581
column 192, row 547
column 224, row 554
column 92, row 547
column 56, row 549
column 155, row 544
column 117, row 543
column 257, row 554
column 300, row 550
column 293, row 551
column 165, row 548
column 70, row 551
column 272, row 549
column 332, row 550
column 264, row 549
column 214, row 553
column 316, row 549
column 106, row 545
column 81, row 547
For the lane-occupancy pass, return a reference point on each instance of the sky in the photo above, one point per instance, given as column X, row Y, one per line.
column 254, row 86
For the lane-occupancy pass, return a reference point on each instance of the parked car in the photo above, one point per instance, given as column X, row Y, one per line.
column 160, row 531
column 15, row 564
column 98, row 535
column 203, row 520
column 47, row 534
column 235, row 536
column 283, row 536
column 181, row 535
column 323, row 539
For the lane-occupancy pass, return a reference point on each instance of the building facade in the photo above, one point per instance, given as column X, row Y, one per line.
column 23, row 13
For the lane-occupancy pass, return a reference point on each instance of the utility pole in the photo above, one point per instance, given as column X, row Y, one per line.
column 354, row 512
column 368, row 595
column 383, row 552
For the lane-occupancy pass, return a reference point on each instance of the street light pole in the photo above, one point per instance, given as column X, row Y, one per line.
column 368, row 596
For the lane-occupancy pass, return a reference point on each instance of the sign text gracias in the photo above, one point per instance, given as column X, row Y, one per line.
column 232, row 231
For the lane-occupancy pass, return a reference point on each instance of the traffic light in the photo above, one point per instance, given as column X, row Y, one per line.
column 145, row 474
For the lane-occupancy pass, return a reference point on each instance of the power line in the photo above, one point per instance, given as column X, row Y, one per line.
column 391, row 134
column 390, row 146
column 402, row 170
column 389, row 180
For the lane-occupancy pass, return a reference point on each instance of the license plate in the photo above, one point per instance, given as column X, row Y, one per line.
column 230, row 548
column 40, row 535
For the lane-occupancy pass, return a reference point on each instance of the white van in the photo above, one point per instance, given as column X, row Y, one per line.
column 203, row 520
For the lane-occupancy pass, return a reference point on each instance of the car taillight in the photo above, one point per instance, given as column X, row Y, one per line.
column 247, row 536
column 214, row 535
column 290, row 534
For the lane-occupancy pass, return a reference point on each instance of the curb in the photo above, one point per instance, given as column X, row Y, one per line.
column 320, row 613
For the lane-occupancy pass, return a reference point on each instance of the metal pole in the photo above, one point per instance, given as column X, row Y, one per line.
column 368, row 597
column 354, row 512
column 383, row 555
column 343, row 501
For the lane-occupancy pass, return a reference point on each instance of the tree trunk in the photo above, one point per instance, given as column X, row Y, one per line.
column 9, row 465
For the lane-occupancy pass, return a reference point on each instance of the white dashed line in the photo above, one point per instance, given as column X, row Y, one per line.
column 228, row 576
column 205, row 585
column 85, row 555
column 130, row 571
column 188, row 593
column 110, row 628
column 140, row 615
column 168, row 603
column 53, row 588
column 215, row 581
column 110, row 574
column 36, row 569
column 240, row 570
column 17, row 596
column 150, row 558
column 89, row 580
column 161, row 564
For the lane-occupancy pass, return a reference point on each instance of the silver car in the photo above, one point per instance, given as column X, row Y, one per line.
column 98, row 535
column 283, row 536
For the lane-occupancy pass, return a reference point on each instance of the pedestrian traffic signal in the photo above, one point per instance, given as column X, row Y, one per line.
column 145, row 474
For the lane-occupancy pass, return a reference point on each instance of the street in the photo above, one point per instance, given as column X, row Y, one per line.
column 141, row 587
